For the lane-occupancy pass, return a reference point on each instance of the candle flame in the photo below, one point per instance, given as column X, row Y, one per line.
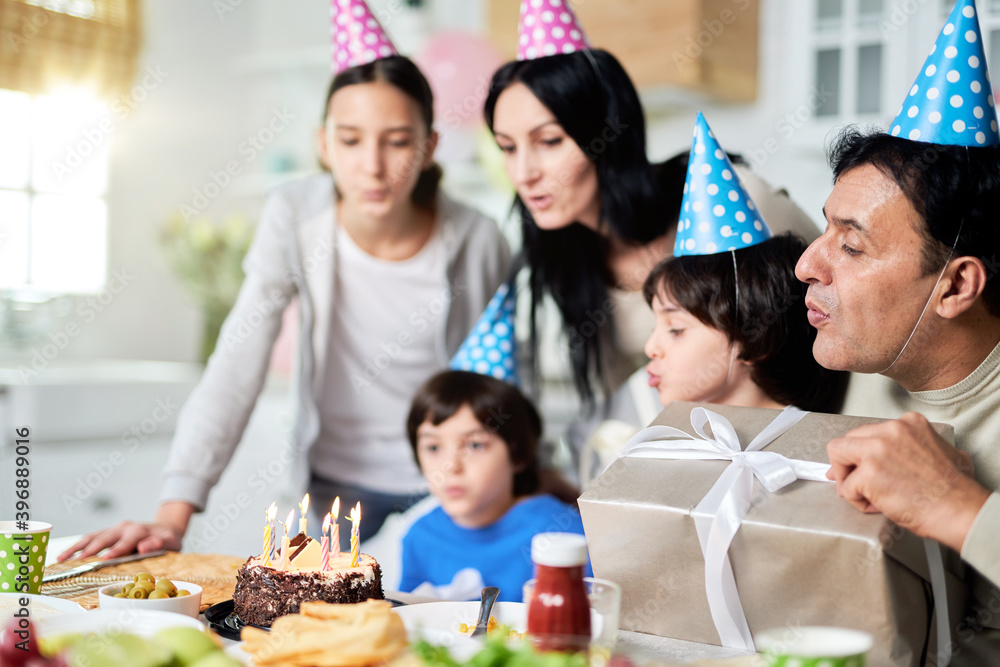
column 355, row 512
column 336, row 508
column 304, row 505
column 288, row 521
column 326, row 524
column 272, row 510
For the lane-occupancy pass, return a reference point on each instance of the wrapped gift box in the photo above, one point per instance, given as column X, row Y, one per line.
column 802, row 556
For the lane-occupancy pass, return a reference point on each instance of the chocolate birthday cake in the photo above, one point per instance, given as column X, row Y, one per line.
column 265, row 592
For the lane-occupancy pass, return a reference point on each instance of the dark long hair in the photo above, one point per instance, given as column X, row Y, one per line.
column 594, row 100
column 769, row 323
column 499, row 407
column 402, row 73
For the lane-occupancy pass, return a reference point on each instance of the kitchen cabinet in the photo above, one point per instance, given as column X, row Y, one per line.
column 708, row 46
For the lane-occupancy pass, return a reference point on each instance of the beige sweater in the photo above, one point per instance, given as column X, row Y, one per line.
column 972, row 407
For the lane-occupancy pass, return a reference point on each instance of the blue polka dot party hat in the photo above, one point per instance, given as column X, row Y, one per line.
column 490, row 348
column 717, row 214
column 951, row 102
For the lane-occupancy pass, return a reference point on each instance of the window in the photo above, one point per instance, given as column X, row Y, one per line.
column 848, row 57
column 53, row 177
column 989, row 23
column 55, row 137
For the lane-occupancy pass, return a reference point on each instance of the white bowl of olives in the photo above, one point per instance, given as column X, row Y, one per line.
column 146, row 592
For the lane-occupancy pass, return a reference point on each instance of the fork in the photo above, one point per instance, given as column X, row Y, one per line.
column 489, row 596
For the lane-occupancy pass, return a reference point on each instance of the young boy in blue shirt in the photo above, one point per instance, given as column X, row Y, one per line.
column 475, row 440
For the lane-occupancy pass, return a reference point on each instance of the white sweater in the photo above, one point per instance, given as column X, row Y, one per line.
column 293, row 253
column 972, row 407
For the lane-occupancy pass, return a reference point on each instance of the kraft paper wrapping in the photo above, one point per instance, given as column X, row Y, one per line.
column 803, row 556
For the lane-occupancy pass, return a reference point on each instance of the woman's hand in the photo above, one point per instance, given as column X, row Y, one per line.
column 165, row 532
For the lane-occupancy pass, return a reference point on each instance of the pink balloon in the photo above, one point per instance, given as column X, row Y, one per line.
column 459, row 67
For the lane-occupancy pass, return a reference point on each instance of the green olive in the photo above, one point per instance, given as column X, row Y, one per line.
column 158, row 595
column 146, row 584
column 166, row 586
column 127, row 588
column 182, row 592
column 145, row 575
column 119, row 595
column 138, row 593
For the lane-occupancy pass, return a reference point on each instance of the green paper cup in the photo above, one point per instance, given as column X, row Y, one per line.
column 22, row 555
column 814, row 647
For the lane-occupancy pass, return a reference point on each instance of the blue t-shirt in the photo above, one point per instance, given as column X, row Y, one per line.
column 436, row 548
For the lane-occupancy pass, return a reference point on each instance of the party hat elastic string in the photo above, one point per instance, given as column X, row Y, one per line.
column 951, row 253
column 736, row 313
column 736, row 322
column 736, row 277
column 597, row 70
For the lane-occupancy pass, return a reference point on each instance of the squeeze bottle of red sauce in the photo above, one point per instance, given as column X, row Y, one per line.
column 559, row 612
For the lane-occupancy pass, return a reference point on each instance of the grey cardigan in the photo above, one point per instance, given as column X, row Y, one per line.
column 293, row 254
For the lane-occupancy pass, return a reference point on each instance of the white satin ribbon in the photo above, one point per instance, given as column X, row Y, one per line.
column 935, row 564
column 721, row 512
column 719, row 515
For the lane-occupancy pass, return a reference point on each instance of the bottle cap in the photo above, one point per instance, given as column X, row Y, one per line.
column 559, row 549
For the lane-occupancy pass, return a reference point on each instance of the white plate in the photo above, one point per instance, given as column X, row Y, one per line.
column 239, row 653
column 448, row 616
column 438, row 623
column 41, row 606
column 135, row 621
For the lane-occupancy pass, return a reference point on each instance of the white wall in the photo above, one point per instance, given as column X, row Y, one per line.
column 225, row 74
column 782, row 150
column 193, row 112
column 221, row 75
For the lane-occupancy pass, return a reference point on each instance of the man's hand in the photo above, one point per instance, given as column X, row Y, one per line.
column 904, row 469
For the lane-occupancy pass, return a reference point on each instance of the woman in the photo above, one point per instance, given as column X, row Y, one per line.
column 596, row 215
column 390, row 275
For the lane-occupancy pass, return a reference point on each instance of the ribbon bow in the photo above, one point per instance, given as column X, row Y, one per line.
column 721, row 512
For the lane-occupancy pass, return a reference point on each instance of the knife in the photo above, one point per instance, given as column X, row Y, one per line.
column 90, row 567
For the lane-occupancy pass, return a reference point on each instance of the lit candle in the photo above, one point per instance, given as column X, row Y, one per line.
column 304, row 508
column 269, row 534
column 324, row 547
column 283, row 563
column 355, row 542
column 335, row 536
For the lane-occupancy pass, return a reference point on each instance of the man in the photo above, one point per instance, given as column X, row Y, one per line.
column 902, row 283
column 869, row 276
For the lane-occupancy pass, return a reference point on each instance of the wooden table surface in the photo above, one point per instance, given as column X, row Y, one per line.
column 218, row 572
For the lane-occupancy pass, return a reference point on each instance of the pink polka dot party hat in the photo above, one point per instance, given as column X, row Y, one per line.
column 356, row 36
column 548, row 27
